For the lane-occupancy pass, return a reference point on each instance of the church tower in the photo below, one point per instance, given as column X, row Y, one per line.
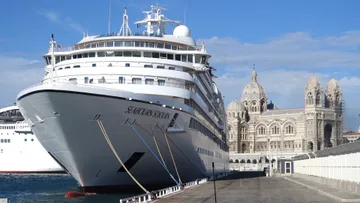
column 334, row 102
column 314, row 100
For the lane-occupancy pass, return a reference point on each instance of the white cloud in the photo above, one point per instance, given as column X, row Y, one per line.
column 297, row 50
column 66, row 21
column 17, row 74
column 286, row 63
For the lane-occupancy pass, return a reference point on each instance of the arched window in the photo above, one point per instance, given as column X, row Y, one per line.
column 309, row 98
column 317, row 98
column 243, row 132
column 261, row 131
column 275, row 130
column 289, row 129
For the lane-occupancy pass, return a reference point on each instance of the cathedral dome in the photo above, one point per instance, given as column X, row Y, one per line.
column 253, row 90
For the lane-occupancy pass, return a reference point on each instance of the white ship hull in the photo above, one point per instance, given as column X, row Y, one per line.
column 27, row 158
column 64, row 120
column 20, row 150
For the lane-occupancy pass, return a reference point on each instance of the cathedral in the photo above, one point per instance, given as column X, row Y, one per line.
column 258, row 127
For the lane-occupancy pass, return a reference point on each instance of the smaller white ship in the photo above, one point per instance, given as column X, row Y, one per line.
column 20, row 151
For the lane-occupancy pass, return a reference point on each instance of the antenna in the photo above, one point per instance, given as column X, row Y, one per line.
column 109, row 17
column 125, row 29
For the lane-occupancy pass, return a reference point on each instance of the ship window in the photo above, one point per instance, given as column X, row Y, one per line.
column 77, row 66
column 79, row 56
column 161, row 82
column 32, row 140
column 197, row 58
column 74, row 57
column 178, row 57
column 127, row 64
column 171, row 68
column 136, row 81
column 68, row 57
column 118, row 43
column 149, row 81
column 2, row 141
column 183, row 58
column 170, row 56
column 60, row 68
column 190, row 58
column 121, row 80
column 109, row 44
column 93, row 65
column 87, row 46
column 57, row 59
column 147, row 54
column 25, row 140
column 151, row 44
column 128, row 44
column 160, row 45
column 148, row 66
column 161, row 67
column 85, row 55
column 167, row 46
column 163, row 55
column 110, row 53
column 203, row 59
column 92, row 54
column 155, row 55
column 101, row 44
column 101, row 54
column 62, row 58
column 93, row 45
column 73, row 80
column 137, row 44
column 118, row 53
column 86, row 80
column 174, row 47
column 136, row 54
column 67, row 67
column 127, row 53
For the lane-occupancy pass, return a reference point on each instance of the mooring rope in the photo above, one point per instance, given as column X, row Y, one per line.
column 172, row 177
column 172, row 157
column 102, row 128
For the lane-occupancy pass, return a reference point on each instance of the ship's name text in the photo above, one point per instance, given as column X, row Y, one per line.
column 147, row 112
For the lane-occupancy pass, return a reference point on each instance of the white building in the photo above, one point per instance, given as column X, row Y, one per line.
column 258, row 129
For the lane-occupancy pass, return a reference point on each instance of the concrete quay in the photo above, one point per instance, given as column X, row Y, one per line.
column 255, row 188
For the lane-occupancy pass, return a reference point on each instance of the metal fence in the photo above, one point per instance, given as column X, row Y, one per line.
column 344, row 167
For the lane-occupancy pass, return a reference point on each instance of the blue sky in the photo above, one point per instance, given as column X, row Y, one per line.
column 287, row 40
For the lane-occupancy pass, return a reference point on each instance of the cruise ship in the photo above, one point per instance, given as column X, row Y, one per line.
column 20, row 150
column 130, row 109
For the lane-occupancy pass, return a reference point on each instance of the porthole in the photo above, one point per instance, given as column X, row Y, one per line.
column 25, row 140
column 32, row 140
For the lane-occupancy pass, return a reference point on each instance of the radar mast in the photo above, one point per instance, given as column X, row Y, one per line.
column 155, row 21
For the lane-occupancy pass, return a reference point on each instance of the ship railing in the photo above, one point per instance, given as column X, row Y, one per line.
column 153, row 83
column 22, row 126
column 171, row 190
column 163, row 192
column 113, row 82
column 127, row 43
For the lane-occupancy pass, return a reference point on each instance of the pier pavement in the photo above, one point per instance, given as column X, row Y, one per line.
column 249, row 187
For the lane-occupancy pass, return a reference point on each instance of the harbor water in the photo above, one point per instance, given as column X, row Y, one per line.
column 21, row 188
